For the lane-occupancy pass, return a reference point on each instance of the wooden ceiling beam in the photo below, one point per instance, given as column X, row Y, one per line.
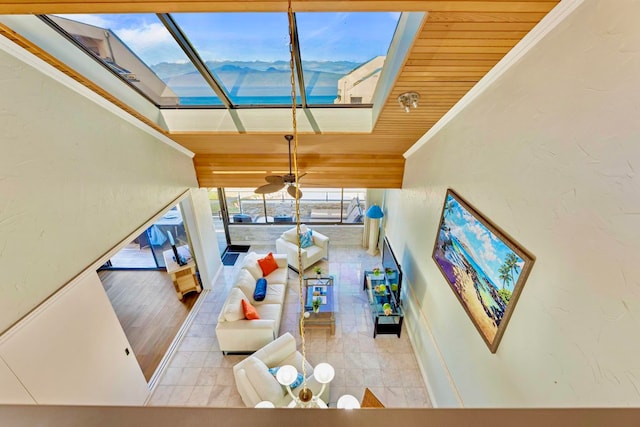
column 168, row 6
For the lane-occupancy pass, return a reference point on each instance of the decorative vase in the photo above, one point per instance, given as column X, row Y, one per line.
column 316, row 309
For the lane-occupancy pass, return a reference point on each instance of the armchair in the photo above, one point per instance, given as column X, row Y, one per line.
column 255, row 383
column 288, row 243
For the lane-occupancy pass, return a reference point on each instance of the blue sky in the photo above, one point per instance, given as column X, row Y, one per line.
column 487, row 250
column 354, row 37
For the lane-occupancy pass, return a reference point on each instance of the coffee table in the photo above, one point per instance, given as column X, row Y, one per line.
column 325, row 317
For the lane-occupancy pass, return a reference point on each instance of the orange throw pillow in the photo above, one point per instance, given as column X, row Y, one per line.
column 249, row 310
column 268, row 264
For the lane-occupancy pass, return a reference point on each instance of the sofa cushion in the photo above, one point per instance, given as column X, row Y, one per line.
column 296, row 360
column 269, row 311
column 245, row 281
column 261, row 289
column 267, row 387
column 267, row 264
column 313, row 252
column 250, row 264
column 275, row 294
column 233, row 306
column 290, row 236
column 249, row 311
column 279, row 276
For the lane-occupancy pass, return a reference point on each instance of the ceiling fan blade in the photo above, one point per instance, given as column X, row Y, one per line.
column 269, row 188
column 274, row 179
column 301, row 175
column 292, row 191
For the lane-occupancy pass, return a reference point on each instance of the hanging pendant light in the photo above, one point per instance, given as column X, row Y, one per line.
column 323, row 372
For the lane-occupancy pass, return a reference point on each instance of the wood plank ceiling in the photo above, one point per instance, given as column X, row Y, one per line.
column 460, row 41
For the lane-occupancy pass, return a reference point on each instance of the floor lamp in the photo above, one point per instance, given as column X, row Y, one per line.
column 374, row 213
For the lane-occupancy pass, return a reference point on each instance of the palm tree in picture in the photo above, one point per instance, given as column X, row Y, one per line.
column 504, row 274
column 448, row 209
column 511, row 261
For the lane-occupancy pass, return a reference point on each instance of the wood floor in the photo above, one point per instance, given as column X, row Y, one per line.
column 132, row 256
column 149, row 311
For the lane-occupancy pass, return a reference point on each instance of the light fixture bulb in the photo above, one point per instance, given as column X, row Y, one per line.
column 265, row 404
column 324, row 373
column 348, row 401
column 286, row 375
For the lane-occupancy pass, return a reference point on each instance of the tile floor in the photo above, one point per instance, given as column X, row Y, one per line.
column 199, row 375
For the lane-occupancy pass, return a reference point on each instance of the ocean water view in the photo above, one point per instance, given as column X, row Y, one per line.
column 253, row 100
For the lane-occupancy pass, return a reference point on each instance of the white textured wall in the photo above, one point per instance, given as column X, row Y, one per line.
column 550, row 153
column 202, row 233
column 75, row 179
column 71, row 350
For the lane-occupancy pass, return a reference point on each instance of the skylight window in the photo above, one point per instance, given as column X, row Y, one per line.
column 247, row 52
column 139, row 49
column 239, row 59
column 343, row 54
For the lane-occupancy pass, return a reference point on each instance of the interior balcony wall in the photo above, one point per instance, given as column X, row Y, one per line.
column 339, row 235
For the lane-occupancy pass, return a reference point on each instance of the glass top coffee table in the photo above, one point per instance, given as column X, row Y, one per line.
column 319, row 288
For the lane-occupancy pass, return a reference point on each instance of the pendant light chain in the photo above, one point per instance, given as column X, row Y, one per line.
column 297, row 181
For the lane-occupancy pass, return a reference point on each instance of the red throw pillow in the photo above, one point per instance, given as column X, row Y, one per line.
column 268, row 264
column 249, row 310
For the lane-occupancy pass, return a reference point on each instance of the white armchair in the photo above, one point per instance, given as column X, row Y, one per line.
column 288, row 243
column 255, row 383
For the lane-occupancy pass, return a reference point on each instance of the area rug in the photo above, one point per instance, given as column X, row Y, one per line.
column 229, row 259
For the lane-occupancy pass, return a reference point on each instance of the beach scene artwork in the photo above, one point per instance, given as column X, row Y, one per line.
column 485, row 269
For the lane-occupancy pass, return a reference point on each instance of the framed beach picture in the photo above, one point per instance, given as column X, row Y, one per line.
column 485, row 268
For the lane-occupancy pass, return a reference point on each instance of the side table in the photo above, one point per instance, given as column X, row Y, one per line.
column 183, row 276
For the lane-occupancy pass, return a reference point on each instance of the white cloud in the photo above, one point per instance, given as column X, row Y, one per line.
column 394, row 16
column 489, row 251
column 152, row 43
column 94, row 20
column 467, row 217
column 329, row 33
column 146, row 37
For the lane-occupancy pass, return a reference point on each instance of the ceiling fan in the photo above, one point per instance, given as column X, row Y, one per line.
column 278, row 182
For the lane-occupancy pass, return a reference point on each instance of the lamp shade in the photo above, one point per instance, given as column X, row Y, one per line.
column 324, row 373
column 374, row 212
column 287, row 375
column 348, row 402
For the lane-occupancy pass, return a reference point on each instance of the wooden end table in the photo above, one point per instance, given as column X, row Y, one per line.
column 183, row 276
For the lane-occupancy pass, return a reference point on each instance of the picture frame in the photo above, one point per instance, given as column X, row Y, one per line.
column 485, row 268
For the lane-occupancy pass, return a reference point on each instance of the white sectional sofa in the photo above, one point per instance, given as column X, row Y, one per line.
column 287, row 244
column 239, row 335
